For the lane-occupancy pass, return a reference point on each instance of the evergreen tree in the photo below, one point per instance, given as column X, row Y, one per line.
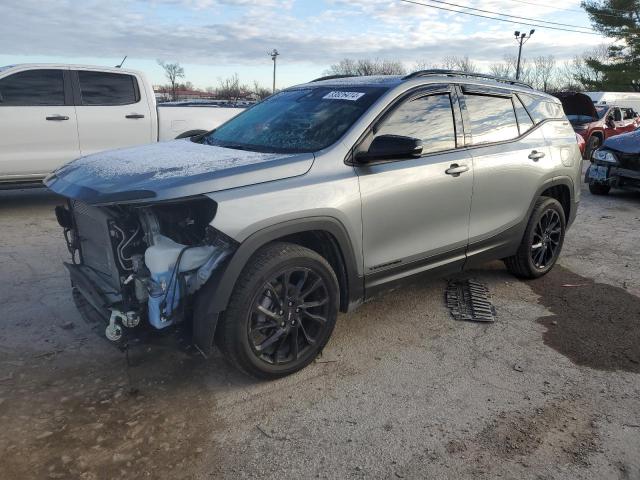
column 620, row 20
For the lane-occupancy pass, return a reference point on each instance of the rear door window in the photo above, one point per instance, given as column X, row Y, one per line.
column 493, row 119
column 428, row 118
column 102, row 88
column 33, row 88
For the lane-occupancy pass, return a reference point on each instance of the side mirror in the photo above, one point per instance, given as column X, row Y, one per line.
column 387, row 147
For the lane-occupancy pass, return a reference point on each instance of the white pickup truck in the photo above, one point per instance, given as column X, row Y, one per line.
column 51, row 114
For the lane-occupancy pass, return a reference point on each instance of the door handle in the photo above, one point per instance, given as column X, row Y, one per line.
column 57, row 118
column 134, row 115
column 535, row 155
column 456, row 169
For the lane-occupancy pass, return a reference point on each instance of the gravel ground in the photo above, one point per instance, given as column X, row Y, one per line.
column 550, row 390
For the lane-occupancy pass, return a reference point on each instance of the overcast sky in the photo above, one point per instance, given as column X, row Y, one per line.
column 215, row 38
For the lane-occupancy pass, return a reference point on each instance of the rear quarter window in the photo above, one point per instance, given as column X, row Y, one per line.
column 541, row 108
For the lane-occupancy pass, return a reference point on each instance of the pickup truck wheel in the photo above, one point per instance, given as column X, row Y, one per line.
column 542, row 240
column 599, row 189
column 281, row 313
column 592, row 146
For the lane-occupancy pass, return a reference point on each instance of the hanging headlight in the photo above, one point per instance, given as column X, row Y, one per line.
column 605, row 156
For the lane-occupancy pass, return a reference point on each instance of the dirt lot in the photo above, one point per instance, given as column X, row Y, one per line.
column 550, row 390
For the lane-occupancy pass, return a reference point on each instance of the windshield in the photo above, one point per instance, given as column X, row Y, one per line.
column 296, row 121
column 580, row 119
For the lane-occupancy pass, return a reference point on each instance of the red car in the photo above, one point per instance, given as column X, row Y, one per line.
column 596, row 123
column 581, row 144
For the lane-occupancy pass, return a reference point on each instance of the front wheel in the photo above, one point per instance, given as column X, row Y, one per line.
column 281, row 313
column 542, row 240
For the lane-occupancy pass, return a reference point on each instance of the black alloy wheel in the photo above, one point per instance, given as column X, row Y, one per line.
column 542, row 241
column 546, row 239
column 288, row 316
column 281, row 313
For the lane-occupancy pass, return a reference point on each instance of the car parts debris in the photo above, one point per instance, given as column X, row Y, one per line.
column 469, row 300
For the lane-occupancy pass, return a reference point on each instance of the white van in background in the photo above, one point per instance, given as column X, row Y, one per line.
column 620, row 99
column 51, row 114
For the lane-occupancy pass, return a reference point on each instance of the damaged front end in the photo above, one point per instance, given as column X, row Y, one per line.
column 614, row 169
column 139, row 267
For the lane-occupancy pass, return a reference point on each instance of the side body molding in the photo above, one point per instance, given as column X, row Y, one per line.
column 213, row 297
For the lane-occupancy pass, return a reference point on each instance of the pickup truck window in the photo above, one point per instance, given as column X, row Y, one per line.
column 427, row 118
column 102, row 88
column 296, row 121
column 32, row 88
column 492, row 118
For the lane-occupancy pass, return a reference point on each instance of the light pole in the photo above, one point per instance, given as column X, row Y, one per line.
column 274, row 54
column 521, row 38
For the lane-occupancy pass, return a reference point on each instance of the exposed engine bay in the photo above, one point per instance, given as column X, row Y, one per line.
column 140, row 265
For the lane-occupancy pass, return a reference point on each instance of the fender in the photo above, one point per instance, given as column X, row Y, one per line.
column 213, row 297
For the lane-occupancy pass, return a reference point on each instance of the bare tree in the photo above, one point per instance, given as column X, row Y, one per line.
column 229, row 88
column 501, row 69
column 173, row 71
column 544, row 72
column 260, row 91
column 423, row 65
column 507, row 68
column 358, row 67
column 454, row 62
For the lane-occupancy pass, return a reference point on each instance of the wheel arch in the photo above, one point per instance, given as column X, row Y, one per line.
column 597, row 133
column 325, row 235
column 561, row 191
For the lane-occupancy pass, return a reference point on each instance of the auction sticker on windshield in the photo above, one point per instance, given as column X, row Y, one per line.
column 337, row 95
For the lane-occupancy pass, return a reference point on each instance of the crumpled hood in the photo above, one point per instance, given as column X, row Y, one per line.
column 169, row 170
column 574, row 103
column 625, row 143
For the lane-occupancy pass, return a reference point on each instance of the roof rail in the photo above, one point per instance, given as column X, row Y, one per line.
column 457, row 73
column 331, row 77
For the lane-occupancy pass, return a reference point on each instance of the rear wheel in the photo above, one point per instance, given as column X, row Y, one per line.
column 542, row 240
column 599, row 189
column 281, row 312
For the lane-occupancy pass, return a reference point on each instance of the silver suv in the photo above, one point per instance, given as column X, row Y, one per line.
column 256, row 234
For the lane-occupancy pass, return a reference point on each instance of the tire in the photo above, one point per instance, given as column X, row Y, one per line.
column 599, row 189
column 266, row 336
column 536, row 241
column 592, row 145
